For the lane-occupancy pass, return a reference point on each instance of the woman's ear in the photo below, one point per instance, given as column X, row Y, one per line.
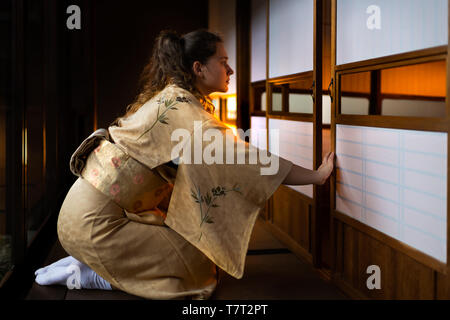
column 197, row 68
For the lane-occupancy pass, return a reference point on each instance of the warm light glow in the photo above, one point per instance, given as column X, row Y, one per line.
column 425, row 79
column 216, row 102
column 231, row 108
column 232, row 127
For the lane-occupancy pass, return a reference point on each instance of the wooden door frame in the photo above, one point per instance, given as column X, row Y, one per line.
column 413, row 123
column 315, row 118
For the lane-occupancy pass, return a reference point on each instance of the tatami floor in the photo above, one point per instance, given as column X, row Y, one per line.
column 272, row 272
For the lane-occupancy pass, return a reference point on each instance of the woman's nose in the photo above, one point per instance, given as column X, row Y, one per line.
column 230, row 71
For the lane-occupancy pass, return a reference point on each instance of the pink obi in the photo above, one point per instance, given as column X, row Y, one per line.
column 132, row 185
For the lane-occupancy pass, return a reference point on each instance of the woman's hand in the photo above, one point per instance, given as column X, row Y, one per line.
column 302, row 176
column 326, row 168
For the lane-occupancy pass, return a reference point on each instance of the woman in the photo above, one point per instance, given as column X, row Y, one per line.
column 155, row 223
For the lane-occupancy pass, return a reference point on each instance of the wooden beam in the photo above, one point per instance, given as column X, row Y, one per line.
column 243, row 14
column 333, row 230
column 317, row 215
column 447, row 286
column 375, row 93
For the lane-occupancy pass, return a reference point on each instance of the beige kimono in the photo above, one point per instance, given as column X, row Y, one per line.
column 156, row 230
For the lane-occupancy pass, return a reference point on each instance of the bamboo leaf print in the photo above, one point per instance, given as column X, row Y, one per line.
column 209, row 201
column 163, row 120
column 169, row 104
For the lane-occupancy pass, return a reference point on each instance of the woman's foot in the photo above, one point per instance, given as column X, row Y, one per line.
column 73, row 273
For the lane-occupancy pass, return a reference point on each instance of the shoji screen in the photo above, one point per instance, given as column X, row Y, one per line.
column 390, row 124
column 258, row 40
column 295, row 144
column 290, row 37
column 396, row 182
column 258, row 136
column 368, row 29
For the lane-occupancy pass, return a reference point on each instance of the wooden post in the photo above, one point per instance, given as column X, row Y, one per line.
column 243, row 14
column 317, row 214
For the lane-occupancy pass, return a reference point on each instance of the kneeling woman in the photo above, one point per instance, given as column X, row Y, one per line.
column 144, row 220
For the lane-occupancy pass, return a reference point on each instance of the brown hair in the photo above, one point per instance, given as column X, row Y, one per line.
column 171, row 63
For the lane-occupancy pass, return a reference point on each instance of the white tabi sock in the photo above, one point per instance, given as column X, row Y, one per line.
column 73, row 273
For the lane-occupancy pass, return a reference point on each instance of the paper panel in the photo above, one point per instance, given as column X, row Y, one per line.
column 258, row 136
column 398, row 179
column 258, row 40
column 368, row 29
column 290, row 37
column 295, row 144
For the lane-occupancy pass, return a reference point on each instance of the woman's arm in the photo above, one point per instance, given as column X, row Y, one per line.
column 301, row 176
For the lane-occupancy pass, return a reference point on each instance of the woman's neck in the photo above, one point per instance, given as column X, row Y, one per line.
column 202, row 89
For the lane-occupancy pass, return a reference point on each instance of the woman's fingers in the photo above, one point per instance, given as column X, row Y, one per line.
column 325, row 158
column 328, row 158
column 331, row 157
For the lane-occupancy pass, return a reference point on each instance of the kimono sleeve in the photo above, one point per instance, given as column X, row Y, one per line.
column 215, row 204
column 150, row 134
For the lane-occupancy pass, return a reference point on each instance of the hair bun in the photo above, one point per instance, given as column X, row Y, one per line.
column 171, row 38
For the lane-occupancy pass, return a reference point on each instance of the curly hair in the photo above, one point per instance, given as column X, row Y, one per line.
column 171, row 63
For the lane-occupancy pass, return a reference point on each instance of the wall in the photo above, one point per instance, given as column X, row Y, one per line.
column 222, row 19
column 124, row 36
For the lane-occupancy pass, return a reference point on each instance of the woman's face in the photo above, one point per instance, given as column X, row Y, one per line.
column 214, row 76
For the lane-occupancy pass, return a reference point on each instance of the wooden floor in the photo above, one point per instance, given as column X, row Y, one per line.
column 272, row 272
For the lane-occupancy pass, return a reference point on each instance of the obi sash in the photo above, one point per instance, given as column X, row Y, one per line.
column 143, row 193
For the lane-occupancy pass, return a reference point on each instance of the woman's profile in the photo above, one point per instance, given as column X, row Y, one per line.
column 154, row 211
